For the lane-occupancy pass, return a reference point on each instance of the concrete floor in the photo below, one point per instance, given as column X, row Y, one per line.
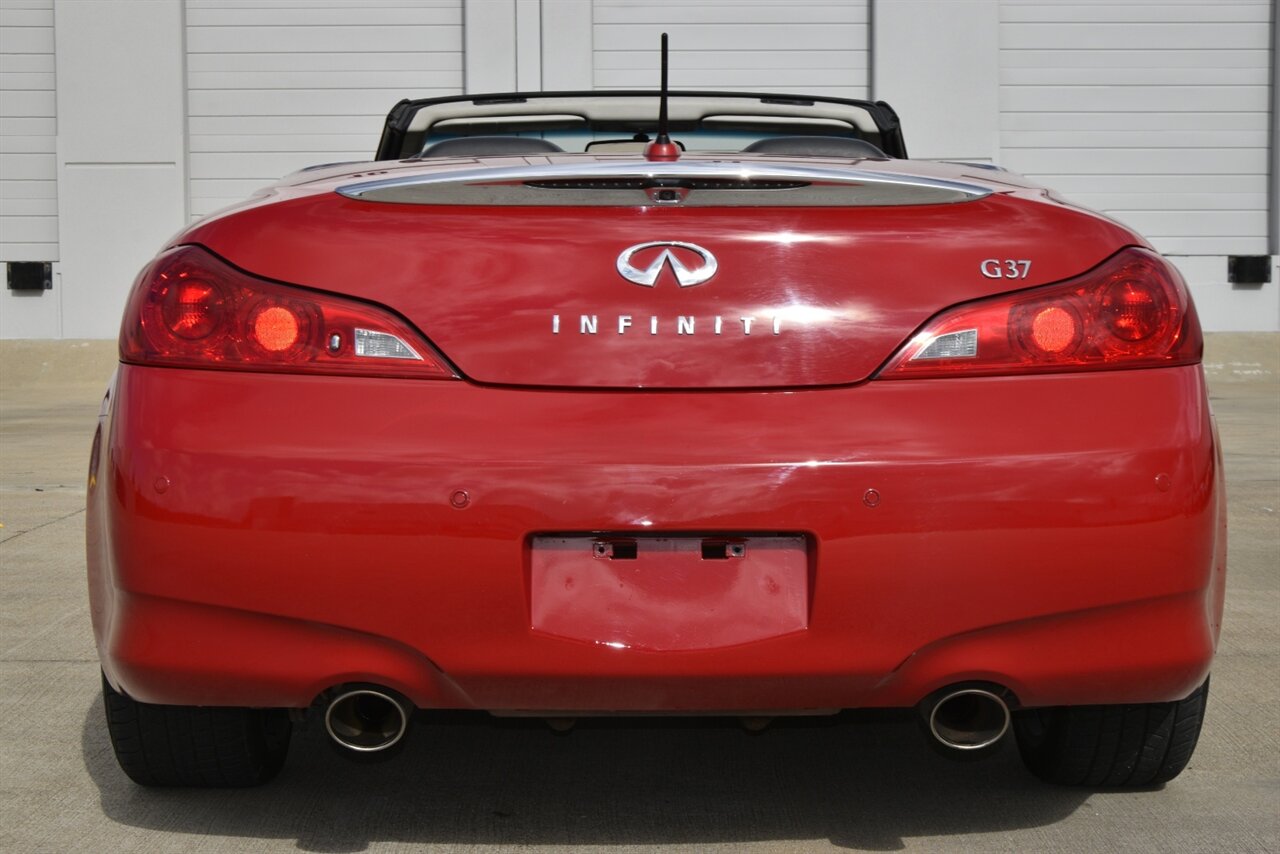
column 863, row 782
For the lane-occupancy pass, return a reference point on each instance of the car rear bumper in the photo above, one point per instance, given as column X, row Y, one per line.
column 256, row 539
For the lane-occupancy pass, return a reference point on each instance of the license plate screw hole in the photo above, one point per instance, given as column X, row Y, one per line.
column 619, row 550
column 720, row 550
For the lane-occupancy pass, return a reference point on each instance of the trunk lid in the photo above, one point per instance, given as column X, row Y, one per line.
column 570, row 295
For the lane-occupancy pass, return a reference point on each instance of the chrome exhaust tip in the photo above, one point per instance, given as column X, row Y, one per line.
column 366, row 720
column 969, row 720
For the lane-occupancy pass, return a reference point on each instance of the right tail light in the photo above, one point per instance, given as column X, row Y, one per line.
column 1131, row 311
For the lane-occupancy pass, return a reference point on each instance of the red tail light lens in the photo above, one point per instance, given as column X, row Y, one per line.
column 190, row 308
column 278, row 328
column 1132, row 311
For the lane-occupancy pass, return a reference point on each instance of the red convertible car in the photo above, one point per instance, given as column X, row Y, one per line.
column 558, row 408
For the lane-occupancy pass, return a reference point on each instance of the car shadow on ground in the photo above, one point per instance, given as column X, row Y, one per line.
column 863, row 781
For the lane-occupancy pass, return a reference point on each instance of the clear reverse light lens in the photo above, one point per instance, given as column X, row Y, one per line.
column 382, row 345
column 953, row 345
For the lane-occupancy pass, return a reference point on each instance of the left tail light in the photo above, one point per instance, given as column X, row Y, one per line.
column 189, row 308
column 1131, row 311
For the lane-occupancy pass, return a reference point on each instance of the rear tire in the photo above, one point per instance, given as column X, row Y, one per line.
column 1133, row 745
column 208, row 746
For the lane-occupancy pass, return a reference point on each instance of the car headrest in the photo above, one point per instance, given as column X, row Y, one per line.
column 479, row 146
column 817, row 146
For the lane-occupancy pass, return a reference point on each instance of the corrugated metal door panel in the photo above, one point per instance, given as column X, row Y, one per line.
column 807, row 46
column 274, row 87
column 28, row 133
column 1157, row 113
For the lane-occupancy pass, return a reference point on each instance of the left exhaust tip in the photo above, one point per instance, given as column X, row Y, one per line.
column 366, row 720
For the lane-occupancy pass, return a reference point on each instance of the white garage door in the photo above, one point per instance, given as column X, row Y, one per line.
column 276, row 85
column 806, row 46
column 1155, row 112
column 28, row 129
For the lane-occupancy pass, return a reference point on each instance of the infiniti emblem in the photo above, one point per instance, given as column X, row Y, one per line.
column 704, row 264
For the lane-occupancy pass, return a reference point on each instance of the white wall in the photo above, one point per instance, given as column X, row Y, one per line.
column 118, row 159
column 28, row 161
column 1157, row 113
column 942, row 79
column 274, row 87
column 122, row 119
column 814, row 46
column 28, row 174
column 121, row 151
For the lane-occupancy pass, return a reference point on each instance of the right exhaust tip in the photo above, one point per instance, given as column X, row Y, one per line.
column 969, row 720
column 366, row 720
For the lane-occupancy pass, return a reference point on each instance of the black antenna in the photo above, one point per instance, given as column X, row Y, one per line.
column 663, row 138
column 662, row 147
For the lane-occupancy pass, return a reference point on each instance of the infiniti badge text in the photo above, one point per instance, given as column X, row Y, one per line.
column 589, row 324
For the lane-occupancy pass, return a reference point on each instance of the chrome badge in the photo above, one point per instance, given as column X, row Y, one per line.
column 698, row 266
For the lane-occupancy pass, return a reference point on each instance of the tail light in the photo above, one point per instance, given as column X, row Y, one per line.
column 190, row 308
column 1131, row 311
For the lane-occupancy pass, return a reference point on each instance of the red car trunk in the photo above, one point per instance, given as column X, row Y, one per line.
column 802, row 296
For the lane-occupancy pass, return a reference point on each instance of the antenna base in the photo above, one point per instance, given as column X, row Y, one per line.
column 664, row 152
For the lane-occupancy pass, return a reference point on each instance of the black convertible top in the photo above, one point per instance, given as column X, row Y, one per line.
column 413, row 124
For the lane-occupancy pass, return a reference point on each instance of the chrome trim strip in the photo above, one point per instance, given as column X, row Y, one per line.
column 678, row 170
